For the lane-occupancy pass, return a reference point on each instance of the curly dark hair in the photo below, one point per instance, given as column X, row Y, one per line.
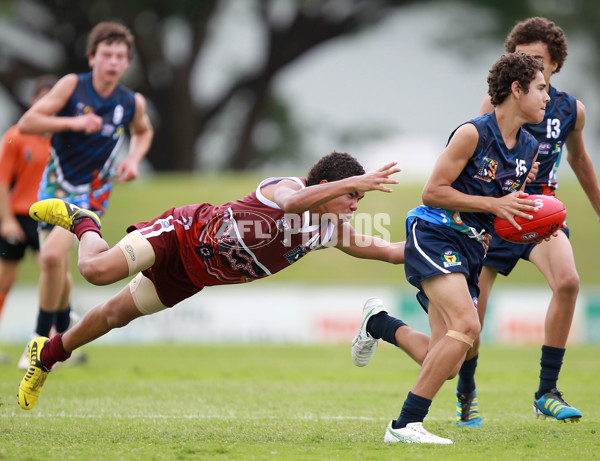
column 110, row 32
column 512, row 67
column 539, row 30
column 333, row 167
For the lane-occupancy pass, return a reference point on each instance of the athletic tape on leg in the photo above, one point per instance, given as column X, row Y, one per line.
column 460, row 337
column 137, row 251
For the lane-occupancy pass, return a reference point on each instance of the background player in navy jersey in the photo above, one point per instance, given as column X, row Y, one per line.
column 562, row 125
column 186, row 249
column 88, row 115
column 472, row 182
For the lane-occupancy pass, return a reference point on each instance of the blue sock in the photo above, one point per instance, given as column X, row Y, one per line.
column 63, row 318
column 414, row 410
column 384, row 326
column 45, row 322
column 466, row 376
column 551, row 362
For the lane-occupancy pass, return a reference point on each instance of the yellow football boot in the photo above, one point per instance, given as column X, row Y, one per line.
column 32, row 382
column 60, row 213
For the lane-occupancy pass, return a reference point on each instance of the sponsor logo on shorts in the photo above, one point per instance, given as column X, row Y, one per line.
column 450, row 258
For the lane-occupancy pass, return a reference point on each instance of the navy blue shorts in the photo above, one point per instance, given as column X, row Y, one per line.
column 433, row 249
column 504, row 256
column 16, row 251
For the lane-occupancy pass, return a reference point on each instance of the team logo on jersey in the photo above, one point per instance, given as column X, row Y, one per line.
column 283, row 224
column 252, row 229
column 557, row 148
column 450, row 258
column 487, row 170
column 83, row 109
column 511, row 185
column 294, row 255
column 544, row 148
column 118, row 114
column 108, row 130
column 118, row 132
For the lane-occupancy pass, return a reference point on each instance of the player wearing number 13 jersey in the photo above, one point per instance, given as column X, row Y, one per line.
column 552, row 135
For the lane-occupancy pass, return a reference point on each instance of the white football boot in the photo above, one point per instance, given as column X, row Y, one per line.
column 412, row 433
column 364, row 345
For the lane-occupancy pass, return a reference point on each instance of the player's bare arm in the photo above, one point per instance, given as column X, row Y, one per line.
column 291, row 198
column 580, row 161
column 41, row 118
column 368, row 247
column 141, row 138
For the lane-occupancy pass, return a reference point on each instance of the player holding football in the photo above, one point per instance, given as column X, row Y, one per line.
column 476, row 178
column 562, row 125
column 88, row 115
column 186, row 249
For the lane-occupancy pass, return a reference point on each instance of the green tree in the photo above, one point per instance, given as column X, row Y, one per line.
column 170, row 38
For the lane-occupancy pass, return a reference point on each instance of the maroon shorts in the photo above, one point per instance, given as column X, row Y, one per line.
column 167, row 274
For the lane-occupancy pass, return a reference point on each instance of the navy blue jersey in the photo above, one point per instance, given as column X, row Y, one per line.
column 493, row 171
column 77, row 158
column 551, row 133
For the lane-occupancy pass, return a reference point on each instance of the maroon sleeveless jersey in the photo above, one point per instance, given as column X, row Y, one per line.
column 237, row 242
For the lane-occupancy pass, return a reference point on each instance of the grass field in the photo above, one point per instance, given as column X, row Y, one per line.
column 284, row 402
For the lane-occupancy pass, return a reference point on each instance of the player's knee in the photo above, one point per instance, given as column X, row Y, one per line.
column 113, row 315
column 568, row 285
column 51, row 259
column 465, row 335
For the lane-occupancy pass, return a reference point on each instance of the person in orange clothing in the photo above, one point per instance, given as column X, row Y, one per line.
column 23, row 158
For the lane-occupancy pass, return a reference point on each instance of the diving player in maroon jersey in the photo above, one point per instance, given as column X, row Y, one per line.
column 186, row 249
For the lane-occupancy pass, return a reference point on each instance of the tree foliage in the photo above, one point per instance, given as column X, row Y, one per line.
column 171, row 36
column 242, row 124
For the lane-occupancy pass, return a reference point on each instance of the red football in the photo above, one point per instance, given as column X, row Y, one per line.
column 546, row 221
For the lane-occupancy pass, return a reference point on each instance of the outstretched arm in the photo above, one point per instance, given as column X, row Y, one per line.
column 292, row 199
column 367, row 246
